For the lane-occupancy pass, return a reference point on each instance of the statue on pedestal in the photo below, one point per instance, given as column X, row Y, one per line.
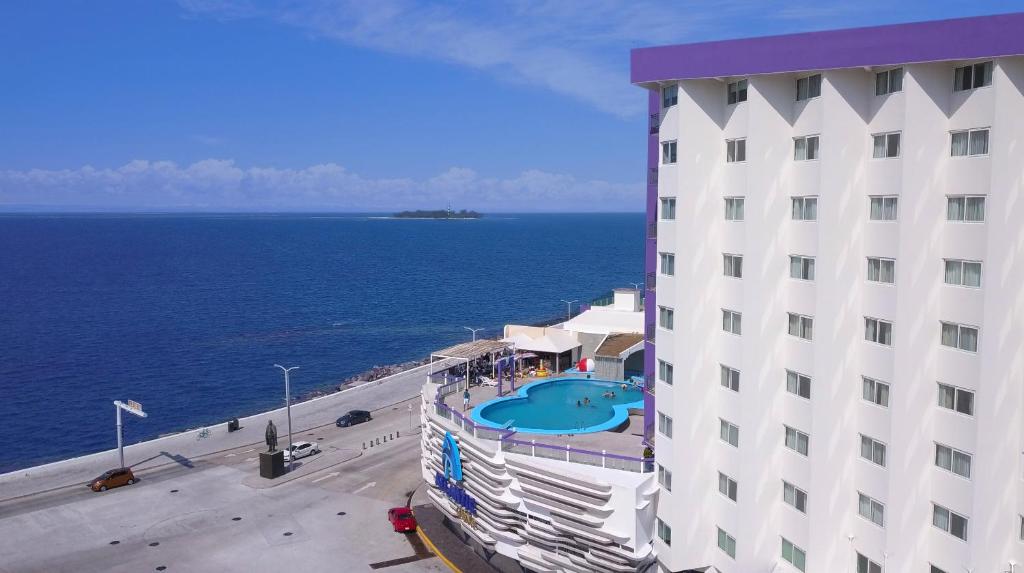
column 271, row 436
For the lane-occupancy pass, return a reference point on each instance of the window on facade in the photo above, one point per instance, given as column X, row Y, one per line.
column 798, row 384
column 950, row 522
column 664, row 425
column 883, row 208
column 664, row 477
column 668, row 152
column 797, row 440
column 735, row 150
column 971, row 77
column 732, row 321
column 879, row 331
column 881, row 270
column 666, row 317
column 871, row 509
column 668, row 264
column 726, row 543
column 801, row 267
column 872, row 450
column 665, row 372
column 956, row 399
column 793, row 554
column 664, row 532
column 874, row 391
column 960, row 336
column 969, row 142
column 935, row 569
column 794, row 496
column 953, row 460
column 809, row 87
column 886, row 145
column 727, row 486
column 805, row 208
column 889, row 81
column 1020, row 525
column 965, row 208
column 865, row 565
column 805, row 148
column 729, row 432
column 668, row 208
column 801, row 326
column 730, row 378
column 737, row 92
column 962, row 273
column 733, row 265
column 734, row 208
column 669, row 96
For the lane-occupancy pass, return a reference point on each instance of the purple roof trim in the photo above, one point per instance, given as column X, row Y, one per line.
column 941, row 40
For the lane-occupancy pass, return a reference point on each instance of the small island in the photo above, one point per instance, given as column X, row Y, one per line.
column 438, row 214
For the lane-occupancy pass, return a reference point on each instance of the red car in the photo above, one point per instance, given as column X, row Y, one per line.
column 402, row 519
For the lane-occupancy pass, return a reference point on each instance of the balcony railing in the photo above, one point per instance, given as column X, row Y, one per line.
column 652, row 175
column 649, row 384
column 655, row 123
column 652, row 281
column 652, row 230
column 649, row 332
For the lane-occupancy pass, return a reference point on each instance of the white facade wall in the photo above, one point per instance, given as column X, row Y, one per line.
column 839, row 298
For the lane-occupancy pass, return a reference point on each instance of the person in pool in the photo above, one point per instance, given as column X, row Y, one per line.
column 586, row 400
column 577, row 403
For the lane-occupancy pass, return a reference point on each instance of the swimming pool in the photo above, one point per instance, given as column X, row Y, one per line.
column 559, row 407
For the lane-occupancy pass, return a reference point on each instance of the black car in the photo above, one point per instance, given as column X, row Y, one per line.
column 353, row 417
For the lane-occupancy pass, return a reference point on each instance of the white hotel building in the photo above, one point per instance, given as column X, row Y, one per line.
column 840, row 370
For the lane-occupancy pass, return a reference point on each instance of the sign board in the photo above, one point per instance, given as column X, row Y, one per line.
column 132, row 406
column 448, row 482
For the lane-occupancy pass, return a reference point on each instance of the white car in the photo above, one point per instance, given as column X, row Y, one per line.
column 302, row 449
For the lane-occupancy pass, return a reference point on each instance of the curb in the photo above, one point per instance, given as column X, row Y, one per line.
column 430, row 545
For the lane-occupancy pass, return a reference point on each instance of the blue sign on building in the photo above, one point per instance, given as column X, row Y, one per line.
column 452, row 462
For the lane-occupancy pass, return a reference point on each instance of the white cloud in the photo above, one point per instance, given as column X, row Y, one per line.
column 217, row 184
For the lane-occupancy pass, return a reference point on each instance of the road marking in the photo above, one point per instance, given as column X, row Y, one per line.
column 230, row 455
column 250, row 459
column 328, row 476
column 367, row 486
column 249, row 450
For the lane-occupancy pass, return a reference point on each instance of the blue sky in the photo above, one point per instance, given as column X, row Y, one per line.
column 228, row 105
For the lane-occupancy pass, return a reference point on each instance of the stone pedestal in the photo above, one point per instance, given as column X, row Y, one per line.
column 272, row 464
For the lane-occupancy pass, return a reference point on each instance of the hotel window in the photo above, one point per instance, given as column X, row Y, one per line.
column 889, row 81
column 798, row 384
column 865, row 565
column 962, row 273
column 737, row 92
column 874, row 391
column 953, row 460
column 956, row 399
column 805, row 148
column 960, row 336
column 664, row 425
column 871, row 509
column 668, row 152
column 727, row 486
column 935, row 569
column 809, row 87
column 883, row 208
column 793, row 554
column 664, row 477
column 666, row 317
column 797, row 441
column 729, row 432
column 734, row 208
column 669, row 96
column 948, row 521
column 969, row 142
column 878, row 331
column 668, row 264
column 665, row 372
column 732, row 321
column 801, row 326
column 805, row 208
column 1020, row 526
column 730, row 378
column 801, row 268
column 733, row 265
column 965, row 208
column 664, row 532
column 668, row 208
column 881, row 270
column 735, row 150
column 794, row 496
column 886, row 145
column 971, row 77
column 727, row 543
column 872, row 450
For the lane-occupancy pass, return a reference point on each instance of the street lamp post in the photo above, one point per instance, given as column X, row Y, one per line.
column 568, row 312
column 636, row 285
column 288, row 407
column 473, row 330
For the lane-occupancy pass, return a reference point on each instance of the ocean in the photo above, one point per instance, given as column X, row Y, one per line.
column 187, row 314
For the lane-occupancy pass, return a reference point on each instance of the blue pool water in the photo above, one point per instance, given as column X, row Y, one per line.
column 550, row 407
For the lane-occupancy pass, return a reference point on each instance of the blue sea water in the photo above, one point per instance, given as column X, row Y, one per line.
column 187, row 313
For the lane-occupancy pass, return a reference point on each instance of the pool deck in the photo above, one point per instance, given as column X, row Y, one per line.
column 625, row 442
